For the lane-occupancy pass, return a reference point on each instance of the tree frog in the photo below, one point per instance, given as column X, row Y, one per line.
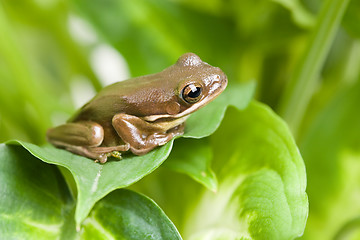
column 141, row 113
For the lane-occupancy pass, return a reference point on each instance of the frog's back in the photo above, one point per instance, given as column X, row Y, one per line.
column 147, row 95
column 103, row 106
column 137, row 96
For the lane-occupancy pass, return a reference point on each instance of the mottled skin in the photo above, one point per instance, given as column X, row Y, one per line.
column 140, row 113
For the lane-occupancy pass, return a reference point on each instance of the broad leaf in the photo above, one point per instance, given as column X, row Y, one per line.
column 34, row 201
column 124, row 214
column 94, row 180
column 193, row 157
column 261, row 176
column 262, row 181
column 36, row 204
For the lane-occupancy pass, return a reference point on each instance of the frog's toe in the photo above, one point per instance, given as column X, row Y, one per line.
column 102, row 158
column 116, row 154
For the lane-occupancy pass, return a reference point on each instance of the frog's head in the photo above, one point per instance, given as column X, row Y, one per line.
column 197, row 84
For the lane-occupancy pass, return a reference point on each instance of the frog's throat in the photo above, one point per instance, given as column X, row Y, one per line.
column 185, row 113
column 170, row 123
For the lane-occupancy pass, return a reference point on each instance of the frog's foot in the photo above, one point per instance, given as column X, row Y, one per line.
column 100, row 154
column 86, row 152
column 115, row 154
column 102, row 158
column 105, row 152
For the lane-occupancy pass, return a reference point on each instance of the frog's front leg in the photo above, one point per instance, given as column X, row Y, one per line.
column 143, row 136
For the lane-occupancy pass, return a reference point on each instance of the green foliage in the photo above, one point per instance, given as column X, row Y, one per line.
column 305, row 77
column 334, row 171
column 245, row 183
column 94, row 180
column 261, row 192
column 249, row 176
column 36, row 204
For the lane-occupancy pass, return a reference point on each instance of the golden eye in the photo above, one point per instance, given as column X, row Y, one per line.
column 192, row 93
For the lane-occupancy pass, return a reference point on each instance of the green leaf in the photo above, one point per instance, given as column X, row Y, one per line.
column 36, row 204
column 127, row 215
column 261, row 176
column 94, row 180
column 262, row 181
column 34, row 199
column 193, row 157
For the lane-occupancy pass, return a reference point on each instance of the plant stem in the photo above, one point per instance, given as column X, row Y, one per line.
column 300, row 89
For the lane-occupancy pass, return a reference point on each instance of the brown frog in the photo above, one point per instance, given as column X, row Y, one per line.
column 141, row 113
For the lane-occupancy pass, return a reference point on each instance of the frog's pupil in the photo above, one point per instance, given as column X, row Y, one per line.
column 195, row 91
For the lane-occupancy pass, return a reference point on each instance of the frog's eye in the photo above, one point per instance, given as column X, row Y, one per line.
column 191, row 93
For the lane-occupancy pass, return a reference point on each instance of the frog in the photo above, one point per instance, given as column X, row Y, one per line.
column 141, row 113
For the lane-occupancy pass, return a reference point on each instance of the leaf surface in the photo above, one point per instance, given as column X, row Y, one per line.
column 94, row 180
column 34, row 199
column 261, row 183
column 262, row 179
column 193, row 157
column 36, row 204
column 124, row 214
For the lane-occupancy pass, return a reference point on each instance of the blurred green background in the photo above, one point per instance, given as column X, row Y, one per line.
column 304, row 55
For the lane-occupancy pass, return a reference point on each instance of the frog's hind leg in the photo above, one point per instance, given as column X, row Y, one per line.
column 80, row 138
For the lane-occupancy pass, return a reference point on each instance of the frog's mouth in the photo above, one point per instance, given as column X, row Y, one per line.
column 219, row 89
